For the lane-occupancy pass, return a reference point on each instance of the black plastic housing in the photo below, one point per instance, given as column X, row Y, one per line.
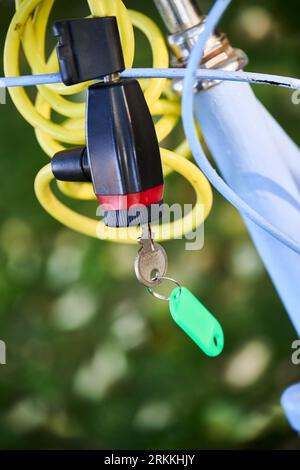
column 72, row 165
column 88, row 49
column 122, row 155
column 123, row 150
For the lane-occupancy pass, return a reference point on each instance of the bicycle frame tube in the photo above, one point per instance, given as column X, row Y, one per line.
column 250, row 150
column 255, row 156
column 261, row 163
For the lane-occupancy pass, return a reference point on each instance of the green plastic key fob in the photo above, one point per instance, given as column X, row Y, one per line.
column 196, row 321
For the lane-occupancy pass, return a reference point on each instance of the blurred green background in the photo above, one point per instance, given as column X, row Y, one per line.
column 93, row 361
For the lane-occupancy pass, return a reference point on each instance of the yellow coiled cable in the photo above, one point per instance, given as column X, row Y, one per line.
column 28, row 29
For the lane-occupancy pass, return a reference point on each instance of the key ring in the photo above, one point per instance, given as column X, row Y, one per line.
column 164, row 297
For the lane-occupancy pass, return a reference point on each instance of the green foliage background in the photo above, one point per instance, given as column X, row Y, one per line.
column 92, row 360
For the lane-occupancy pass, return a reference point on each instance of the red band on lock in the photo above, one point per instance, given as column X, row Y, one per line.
column 127, row 201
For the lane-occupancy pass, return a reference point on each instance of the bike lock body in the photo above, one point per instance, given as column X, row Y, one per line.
column 122, row 156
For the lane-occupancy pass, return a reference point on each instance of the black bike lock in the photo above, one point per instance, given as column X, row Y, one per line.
column 122, row 156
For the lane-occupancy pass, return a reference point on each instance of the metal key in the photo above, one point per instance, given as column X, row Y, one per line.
column 151, row 262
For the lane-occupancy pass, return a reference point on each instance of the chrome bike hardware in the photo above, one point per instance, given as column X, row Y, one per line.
column 185, row 23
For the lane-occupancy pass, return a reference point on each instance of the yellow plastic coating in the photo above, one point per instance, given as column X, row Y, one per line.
column 97, row 229
column 118, row 9
column 159, row 52
column 28, row 30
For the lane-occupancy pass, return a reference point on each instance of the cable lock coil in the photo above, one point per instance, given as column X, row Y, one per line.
column 28, row 28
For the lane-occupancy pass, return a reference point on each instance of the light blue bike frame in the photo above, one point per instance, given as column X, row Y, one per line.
column 261, row 164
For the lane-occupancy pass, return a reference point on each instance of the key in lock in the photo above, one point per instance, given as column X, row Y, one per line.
column 151, row 263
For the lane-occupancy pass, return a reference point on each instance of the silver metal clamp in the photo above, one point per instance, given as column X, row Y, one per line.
column 185, row 23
